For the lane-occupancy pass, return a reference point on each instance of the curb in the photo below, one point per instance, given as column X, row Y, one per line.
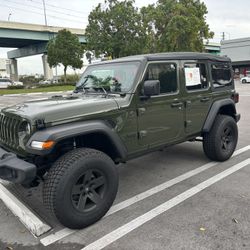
column 30, row 220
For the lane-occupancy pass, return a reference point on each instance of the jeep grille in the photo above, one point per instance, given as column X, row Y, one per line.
column 9, row 131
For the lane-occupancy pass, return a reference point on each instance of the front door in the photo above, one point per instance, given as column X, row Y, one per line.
column 161, row 117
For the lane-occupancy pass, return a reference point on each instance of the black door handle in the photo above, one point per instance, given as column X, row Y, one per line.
column 205, row 99
column 176, row 104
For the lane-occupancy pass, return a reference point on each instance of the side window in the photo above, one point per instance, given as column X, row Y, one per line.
column 196, row 76
column 221, row 74
column 166, row 73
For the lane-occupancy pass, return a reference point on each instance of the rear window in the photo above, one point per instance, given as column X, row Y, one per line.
column 221, row 75
column 196, row 76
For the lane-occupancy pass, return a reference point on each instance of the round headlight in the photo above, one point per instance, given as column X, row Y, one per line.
column 28, row 128
column 25, row 128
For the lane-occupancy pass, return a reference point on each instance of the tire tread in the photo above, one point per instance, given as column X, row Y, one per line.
column 59, row 169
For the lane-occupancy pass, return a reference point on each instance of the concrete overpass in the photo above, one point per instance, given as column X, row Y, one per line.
column 30, row 39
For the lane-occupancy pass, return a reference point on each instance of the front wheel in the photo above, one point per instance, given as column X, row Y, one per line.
column 81, row 187
column 220, row 142
column 244, row 81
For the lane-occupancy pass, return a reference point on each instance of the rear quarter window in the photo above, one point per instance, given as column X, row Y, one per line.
column 221, row 75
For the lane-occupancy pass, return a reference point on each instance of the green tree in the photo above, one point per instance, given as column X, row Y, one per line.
column 177, row 25
column 120, row 29
column 65, row 49
column 115, row 29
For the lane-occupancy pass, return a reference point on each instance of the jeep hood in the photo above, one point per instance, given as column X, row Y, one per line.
column 63, row 108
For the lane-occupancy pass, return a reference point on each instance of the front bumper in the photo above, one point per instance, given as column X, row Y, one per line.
column 237, row 117
column 14, row 169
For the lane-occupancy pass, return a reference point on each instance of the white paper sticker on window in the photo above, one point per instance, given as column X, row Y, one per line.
column 192, row 76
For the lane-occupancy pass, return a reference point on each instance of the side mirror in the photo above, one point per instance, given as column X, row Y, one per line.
column 151, row 87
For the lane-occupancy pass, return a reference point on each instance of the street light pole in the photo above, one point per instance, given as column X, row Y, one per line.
column 44, row 10
column 9, row 17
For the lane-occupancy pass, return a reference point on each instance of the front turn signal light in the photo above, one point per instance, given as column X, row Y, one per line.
column 42, row 144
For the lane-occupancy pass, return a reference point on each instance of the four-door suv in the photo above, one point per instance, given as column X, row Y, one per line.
column 120, row 110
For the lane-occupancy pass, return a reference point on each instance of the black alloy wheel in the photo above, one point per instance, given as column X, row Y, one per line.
column 220, row 142
column 88, row 192
column 227, row 139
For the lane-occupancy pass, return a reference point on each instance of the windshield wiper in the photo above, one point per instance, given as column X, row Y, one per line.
column 103, row 89
column 87, row 89
column 81, row 87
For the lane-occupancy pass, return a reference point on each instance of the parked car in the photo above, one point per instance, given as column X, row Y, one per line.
column 17, row 83
column 5, row 82
column 245, row 79
column 45, row 82
column 48, row 81
column 120, row 110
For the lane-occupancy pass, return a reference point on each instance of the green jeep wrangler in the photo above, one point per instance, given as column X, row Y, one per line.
column 120, row 110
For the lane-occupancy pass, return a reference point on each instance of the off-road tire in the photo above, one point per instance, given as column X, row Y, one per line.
column 217, row 145
column 63, row 179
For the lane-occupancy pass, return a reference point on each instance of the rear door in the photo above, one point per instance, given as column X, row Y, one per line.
column 198, row 95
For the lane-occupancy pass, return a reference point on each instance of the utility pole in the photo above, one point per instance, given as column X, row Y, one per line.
column 223, row 36
column 44, row 10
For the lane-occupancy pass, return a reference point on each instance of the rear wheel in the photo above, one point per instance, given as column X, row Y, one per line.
column 220, row 143
column 244, row 81
column 81, row 187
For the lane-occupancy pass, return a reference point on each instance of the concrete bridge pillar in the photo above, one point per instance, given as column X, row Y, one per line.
column 48, row 72
column 13, row 70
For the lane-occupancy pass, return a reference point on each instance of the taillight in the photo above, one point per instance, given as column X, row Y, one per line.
column 235, row 97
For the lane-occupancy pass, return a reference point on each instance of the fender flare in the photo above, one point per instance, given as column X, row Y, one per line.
column 64, row 131
column 214, row 110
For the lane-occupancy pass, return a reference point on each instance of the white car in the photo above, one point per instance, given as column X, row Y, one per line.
column 5, row 82
column 17, row 83
column 44, row 82
column 245, row 79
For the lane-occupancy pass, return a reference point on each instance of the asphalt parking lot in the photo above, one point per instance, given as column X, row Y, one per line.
column 171, row 199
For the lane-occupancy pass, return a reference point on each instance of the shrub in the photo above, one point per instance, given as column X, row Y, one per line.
column 15, row 87
column 71, row 79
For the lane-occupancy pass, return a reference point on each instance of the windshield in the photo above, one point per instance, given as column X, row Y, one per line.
column 115, row 78
column 5, row 80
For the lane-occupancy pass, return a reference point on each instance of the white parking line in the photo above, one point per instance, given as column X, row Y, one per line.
column 167, row 184
column 139, row 221
column 29, row 219
column 52, row 238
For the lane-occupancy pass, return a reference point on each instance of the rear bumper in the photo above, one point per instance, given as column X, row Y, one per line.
column 14, row 169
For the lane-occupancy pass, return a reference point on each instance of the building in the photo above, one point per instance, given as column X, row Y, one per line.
column 212, row 48
column 3, row 68
column 239, row 52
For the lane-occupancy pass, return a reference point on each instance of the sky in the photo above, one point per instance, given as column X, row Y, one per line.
column 223, row 16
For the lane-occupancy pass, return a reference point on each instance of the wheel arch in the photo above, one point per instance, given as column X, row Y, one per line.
column 94, row 134
column 223, row 107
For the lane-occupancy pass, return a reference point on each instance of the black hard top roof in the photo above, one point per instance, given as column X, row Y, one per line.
column 174, row 56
